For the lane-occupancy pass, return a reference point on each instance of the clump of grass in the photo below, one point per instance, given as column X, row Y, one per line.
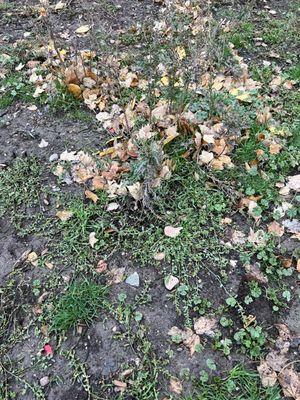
column 21, row 188
column 80, row 304
column 240, row 384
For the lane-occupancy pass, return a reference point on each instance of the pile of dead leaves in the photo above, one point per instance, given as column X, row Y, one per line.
column 277, row 368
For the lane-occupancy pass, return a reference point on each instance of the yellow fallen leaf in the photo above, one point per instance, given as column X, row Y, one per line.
column 74, row 89
column 244, row 97
column 106, row 152
column 92, row 196
column 33, row 258
column 83, row 29
column 181, row 52
column 165, row 80
column 169, row 139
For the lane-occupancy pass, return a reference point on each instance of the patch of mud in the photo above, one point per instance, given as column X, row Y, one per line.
column 21, row 133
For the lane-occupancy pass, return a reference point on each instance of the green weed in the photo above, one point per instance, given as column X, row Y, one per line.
column 240, row 384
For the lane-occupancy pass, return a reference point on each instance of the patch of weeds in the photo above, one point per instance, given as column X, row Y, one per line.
column 63, row 100
column 16, row 87
column 251, row 339
column 130, row 38
column 21, row 187
column 294, row 72
column 80, row 304
column 80, row 374
column 73, row 243
column 242, row 36
column 144, row 379
column 240, row 384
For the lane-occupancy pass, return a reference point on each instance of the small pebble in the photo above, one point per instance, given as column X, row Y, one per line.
column 44, row 381
column 53, row 157
column 171, row 281
column 133, row 280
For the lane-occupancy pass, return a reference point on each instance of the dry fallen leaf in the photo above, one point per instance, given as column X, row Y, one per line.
column 275, row 228
column 181, row 52
column 74, row 89
column 59, row 6
column 267, row 375
column 101, row 266
column 289, row 380
column 136, row 191
column 92, row 196
column 33, row 258
column 159, row 256
column 205, row 326
column 116, row 275
column 175, row 385
column 172, row 231
column 83, row 29
column 64, row 215
column 112, row 206
column 253, row 273
column 294, row 183
column 92, row 239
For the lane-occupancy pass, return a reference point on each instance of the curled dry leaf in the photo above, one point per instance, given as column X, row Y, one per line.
column 205, row 326
column 83, row 29
column 159, row 256
column 136, row 191
column 92, row 239
column 116, row 275
column 92, row 196
column 275, row 228
column 172, row 231
column 101, row 266
column 74, row 89
column 112, row 206
column 289, row 380
column 175, row 385
column 64, row 215
column 205, row 157
column 33, row 258
column 253, row 273
column 267, row 375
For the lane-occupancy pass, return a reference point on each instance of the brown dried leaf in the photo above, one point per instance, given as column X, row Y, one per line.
column 289, row 380
column 253, row 273
column 92, row 196
column 275, row 228
column 267, row 375
column 205, row 326
column 64, row 215
column 74, row 89
column 175, row 385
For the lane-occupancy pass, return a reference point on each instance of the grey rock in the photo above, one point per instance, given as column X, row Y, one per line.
column 133, row 280
column 44, row 381
column 53, row 157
